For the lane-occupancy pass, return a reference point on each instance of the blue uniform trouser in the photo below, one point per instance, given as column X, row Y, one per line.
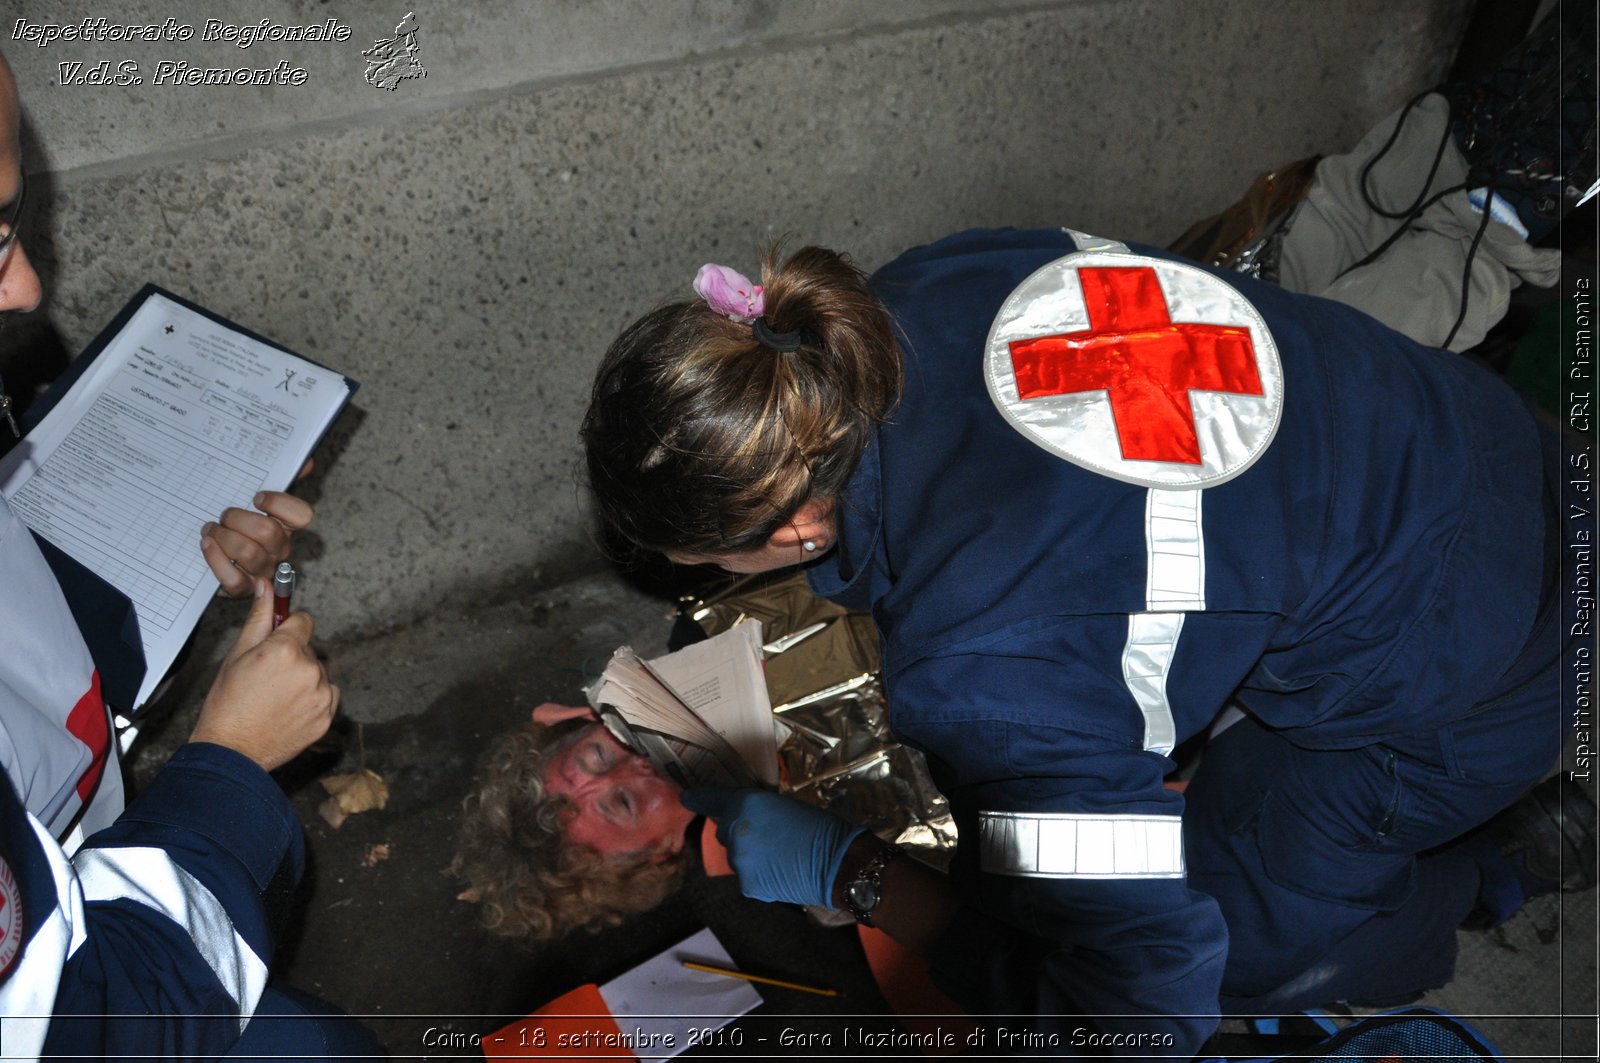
column 1334, row 868
column 1313, row 857
column 289, row 1024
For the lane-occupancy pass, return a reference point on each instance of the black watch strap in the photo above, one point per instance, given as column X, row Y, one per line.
column 864, row 892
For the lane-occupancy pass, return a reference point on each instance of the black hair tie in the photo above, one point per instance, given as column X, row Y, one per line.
column 786, row 342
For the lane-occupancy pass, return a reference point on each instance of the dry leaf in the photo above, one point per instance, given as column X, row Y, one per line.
column 375, row 855
column 357, row 791
column 330, row 811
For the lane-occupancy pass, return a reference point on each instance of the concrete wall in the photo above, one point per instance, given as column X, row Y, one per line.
column 466, row 244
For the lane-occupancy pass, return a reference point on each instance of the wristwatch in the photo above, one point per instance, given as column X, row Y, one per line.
column 864, row 892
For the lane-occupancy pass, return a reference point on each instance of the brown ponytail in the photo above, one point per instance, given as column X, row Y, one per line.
column 700, row 439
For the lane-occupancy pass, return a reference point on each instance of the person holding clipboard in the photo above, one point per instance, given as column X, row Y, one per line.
column 155, row 934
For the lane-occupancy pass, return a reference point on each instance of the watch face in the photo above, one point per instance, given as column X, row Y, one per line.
column 863, row 895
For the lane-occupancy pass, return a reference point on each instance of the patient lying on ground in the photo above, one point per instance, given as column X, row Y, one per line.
column 568, row 829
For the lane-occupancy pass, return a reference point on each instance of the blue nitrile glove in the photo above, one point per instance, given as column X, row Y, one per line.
column 782, row 849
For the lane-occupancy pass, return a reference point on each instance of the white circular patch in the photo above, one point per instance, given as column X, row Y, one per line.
column 11, row 921
column 1163, row 376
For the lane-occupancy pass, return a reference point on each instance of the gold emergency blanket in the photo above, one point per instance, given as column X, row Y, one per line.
column 823, row 674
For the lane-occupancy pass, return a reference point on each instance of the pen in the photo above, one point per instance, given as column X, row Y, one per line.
column 282, row 592
column 729, row 973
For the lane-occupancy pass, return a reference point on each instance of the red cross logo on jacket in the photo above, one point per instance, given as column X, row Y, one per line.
column 1149, row 370
column 1145, row 362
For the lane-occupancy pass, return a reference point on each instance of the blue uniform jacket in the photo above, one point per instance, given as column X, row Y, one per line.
column 160, row 929
column 1373, row 573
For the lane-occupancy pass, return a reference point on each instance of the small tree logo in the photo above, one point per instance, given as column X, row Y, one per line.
column 392, row 61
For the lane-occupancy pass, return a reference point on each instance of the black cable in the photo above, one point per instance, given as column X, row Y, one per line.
column 1438, row 156
column 1423, row 200
column 1402, row 230
column 1421, row 204
column 1466, row 275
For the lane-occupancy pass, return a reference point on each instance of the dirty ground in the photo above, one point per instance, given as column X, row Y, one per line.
column 382, row 933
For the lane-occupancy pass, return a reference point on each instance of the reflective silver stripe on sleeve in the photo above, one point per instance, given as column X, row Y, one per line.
column 149, row 877
column 1086, row 242
column 1175, row 580
column 1175, row 550
column 1146, row 660
column 1080, row 845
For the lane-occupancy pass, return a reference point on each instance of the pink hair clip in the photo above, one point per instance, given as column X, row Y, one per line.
column 729, row 292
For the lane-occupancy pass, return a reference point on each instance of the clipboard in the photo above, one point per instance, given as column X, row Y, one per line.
column 62, row 384
column 170, row 415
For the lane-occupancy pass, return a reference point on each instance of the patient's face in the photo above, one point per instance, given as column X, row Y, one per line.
column 618, row 802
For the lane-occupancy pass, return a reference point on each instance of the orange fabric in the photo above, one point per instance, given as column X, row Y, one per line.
column 902, row 977
column 712, row 855
column 575, row 1025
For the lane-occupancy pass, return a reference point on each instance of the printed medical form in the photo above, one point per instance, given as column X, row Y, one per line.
column 178, row 418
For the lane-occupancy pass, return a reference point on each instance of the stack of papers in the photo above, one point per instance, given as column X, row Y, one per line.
column 702, row 714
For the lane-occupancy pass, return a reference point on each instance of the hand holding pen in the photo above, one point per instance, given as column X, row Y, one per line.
column 271, row 698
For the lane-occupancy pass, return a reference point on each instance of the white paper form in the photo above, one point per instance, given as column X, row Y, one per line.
column 721, row 680
column 178, row 418
column 661, row 996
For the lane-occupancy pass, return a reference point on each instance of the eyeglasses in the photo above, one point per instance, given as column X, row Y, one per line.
column 10, row 216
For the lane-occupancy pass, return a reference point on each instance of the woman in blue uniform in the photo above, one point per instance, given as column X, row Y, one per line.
column 1094, row 496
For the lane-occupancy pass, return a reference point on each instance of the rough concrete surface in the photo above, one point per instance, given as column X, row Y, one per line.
column 469, row 264
column 477, row 48
column 466, row 245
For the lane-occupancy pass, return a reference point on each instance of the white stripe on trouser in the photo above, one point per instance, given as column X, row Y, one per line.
column 28, row 997
column 149, row 877
column 1086, row 845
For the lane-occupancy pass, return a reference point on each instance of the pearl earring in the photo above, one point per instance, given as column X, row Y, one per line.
column 810, row 546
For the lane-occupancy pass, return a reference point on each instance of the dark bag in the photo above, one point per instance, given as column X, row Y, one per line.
column 1408, row 1035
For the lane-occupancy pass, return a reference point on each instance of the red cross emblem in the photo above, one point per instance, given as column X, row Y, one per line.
column 1147, row 363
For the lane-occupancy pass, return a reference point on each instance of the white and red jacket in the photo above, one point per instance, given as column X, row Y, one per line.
column 55, row 734
column 153, row 937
